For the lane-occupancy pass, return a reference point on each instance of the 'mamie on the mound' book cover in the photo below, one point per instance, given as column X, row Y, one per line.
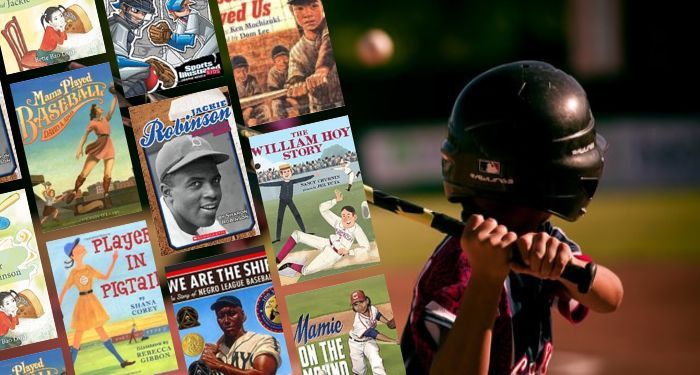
column 75, row 147
column 227, row 314
column 161, row 44
column 282, row 58
column 347, row 328
column 193, row 168
column 112, row 305
column 38, row 33
column 312, row 190
column 25, row 310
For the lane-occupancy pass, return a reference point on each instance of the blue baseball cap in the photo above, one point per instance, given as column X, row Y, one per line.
column 174, row 5
column 224, row 301
column 68, row 248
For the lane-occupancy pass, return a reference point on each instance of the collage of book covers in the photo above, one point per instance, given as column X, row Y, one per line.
column 140, row 178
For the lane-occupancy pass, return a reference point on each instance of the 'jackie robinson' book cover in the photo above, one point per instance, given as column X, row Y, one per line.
column 25, row 310
column 311, row 174
column 346, row 329
column 37, row 33
column 282, row 58
column 74, row 142
column 227, row 314
column 160, row 44
column 113, row 311
column 193, row 167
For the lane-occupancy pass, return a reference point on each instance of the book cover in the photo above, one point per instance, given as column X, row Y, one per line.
column 311, row 187
column 227, row 314
column 346, row 329
column 75, row 147
column 110, row 297
column 25, row 310
column 161, row 44
column 282, row 58
column 194, row 170
column 45, row 363
column 9, row 169
column 38, row 33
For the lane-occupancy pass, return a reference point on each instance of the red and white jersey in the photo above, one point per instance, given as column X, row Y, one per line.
column 363, row 323
column 522, row 333
column 343, row 238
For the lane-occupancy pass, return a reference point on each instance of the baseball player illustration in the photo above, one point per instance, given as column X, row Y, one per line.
column 345, row 167
column 364, row 334
column 125, row 25
column 238, row 349
column 50, row 199
column 286, row 194
column 521, row 146
column 331, row 249
column 190, row 27
column 187, row 169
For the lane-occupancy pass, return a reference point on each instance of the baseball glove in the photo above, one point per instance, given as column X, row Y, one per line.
column 160, row 33
column 391, row 324
column 165, row 72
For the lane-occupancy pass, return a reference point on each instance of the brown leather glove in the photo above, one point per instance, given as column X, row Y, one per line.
column 160, row 33
column 165, row 72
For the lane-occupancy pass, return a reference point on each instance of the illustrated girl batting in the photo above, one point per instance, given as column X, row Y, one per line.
column 88, row 312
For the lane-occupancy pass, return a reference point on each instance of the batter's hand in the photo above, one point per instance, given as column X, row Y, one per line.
column 317, row 79
column 486, row 244
column 544, row 256
column 297, row 89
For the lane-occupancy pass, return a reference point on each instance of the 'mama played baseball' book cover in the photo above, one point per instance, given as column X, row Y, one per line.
column 346, row 329
column 282, row 58
column 38, row 33
column 110, row 297
column 45, row 363
column 9, row 169
column 311, row 186
column 161, row 44
column 75, row 147
column 227, row 314
column 25, row 310
column 194, row 171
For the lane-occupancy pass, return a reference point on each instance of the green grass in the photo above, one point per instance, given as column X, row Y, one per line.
column 391, row 354
column 335, row 298
column 94, row 358
column 67, row 219
column 619, row 226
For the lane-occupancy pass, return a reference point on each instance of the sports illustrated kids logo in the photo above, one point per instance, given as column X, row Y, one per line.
column 195, row 177
column 161, row 44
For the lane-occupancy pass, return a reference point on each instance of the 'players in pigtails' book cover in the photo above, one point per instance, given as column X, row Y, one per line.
column 74, row 142
column 282, row 58
column 161, row 44
column 227, row 315
column 312, row 190
column 9, row 170
column 25, row 310
column 346, row 329
column 192, row 163
column 113, row 311
column 37, row 33
column 44, row 363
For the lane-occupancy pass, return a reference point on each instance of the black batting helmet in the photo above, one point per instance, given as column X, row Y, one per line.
column 524, row 133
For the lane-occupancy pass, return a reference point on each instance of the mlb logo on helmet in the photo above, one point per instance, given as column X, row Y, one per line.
column 490, row 167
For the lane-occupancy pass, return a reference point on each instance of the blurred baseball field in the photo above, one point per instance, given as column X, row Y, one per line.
column 649, row 238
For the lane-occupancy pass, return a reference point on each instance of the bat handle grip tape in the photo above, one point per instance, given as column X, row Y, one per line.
column 581, row 276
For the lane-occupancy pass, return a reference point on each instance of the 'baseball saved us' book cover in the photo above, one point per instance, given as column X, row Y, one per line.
column 75, row 146
column 312, row 190
column 110, row 297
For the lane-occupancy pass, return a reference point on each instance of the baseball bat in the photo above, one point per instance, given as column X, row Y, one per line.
column 581, row 276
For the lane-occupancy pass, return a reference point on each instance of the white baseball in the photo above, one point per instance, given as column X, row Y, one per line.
column 375, row 48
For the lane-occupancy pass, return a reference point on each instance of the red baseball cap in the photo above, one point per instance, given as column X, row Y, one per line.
column 357, row 295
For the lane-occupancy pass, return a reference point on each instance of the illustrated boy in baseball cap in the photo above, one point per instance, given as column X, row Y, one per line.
column 190, row 184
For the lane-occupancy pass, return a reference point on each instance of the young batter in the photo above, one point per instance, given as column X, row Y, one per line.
column 364, row 334
column 521, row 146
